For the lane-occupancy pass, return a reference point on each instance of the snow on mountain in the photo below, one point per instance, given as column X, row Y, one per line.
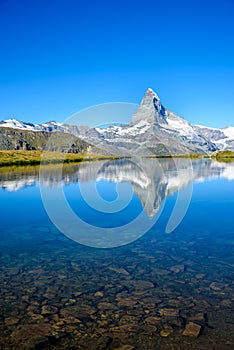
column 180, row 125
column 222, row 138
column 152, row 130
column 229, row 132
column 150, row 109
column 16, row 124
column 125, row 131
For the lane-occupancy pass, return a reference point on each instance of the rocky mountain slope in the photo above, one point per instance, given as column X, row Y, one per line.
column 153, row 130
column 15, row 139
column 156, row 130
column 222, row 138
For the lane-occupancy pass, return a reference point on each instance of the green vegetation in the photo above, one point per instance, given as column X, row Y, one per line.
column 188, row 156
column 224, row 156
column 221, row 156
column 38, row 157
column 20, row 157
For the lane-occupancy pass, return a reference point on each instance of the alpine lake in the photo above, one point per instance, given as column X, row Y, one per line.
column 122, row 254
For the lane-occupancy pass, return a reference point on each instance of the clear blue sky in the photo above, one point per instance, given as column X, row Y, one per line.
column 59, row 56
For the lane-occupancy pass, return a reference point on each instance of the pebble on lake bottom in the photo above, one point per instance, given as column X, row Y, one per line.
column 123, row 300
column 192, row 330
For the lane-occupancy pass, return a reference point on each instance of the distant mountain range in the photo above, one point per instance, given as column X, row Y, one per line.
column 153, row 130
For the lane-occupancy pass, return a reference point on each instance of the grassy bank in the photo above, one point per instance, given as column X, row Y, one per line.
column 11, row 158
column 8, row 158
column 223, row 156
column 188, row 156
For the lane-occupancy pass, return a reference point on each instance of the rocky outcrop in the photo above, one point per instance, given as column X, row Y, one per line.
column 15, row 139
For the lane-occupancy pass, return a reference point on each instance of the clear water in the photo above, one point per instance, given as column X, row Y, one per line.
column 129, row 274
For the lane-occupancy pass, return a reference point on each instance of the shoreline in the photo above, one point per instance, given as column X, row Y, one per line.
column 27, row 158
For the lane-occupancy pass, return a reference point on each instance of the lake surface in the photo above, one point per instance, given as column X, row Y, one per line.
column 125, row 254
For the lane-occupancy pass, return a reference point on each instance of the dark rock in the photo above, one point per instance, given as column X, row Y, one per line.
column 36, row 343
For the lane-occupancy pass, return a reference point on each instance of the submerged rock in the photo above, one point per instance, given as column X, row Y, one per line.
column 35, row 343
column 217, row 286
column 169, row 312
column 166, row 332
column 152, row 320
column 105, row 306
column 47, row 309
column 198, row 317
column 192, row 329
column 178, row 268
column 125, row 347
column 142, row 285
column 119, row 270
column 10, row 321
column 126, row 319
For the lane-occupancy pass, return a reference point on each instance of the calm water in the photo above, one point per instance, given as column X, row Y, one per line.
column 127, row 254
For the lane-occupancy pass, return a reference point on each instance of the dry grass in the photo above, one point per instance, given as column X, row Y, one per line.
column 39, row 157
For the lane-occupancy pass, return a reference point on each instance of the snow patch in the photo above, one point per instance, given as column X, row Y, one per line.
column 180, row 125
column 229, row 132
column 206, row 127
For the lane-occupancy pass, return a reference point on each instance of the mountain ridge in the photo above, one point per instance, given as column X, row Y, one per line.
column 153, row 129
column 17, row 139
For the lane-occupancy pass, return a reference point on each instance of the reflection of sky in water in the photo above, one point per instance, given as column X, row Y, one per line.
column 122, row 190
column 211, row 206
column 180, row 271
column 122, row 210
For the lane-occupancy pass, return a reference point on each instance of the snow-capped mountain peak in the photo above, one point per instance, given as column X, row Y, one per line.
column 150, row 109
column 151, row 92
column 16, row 124
column 152, row 130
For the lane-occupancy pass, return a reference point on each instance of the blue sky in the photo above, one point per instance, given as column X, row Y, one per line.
column 57, row 57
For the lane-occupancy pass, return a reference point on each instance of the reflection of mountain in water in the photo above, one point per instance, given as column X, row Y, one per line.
column 19, row 177
column 152, row 179
column 155, row 179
